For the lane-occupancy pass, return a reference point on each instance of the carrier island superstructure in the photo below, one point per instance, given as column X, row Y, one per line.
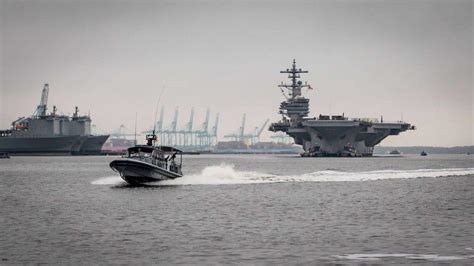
column 326, row 135
column 51, row 133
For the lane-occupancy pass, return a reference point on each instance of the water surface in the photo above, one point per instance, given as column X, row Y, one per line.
column 240, row 209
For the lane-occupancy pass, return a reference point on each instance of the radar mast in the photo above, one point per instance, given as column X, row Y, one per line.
column 296, row 85
column 296, row 107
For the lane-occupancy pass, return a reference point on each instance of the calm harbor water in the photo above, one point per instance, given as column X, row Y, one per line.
column 240, row 209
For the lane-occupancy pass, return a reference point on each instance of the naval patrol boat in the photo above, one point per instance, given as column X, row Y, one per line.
column 149, row 163
column 327, row 135
column 51, row 133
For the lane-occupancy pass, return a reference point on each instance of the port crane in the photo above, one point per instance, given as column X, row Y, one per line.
column 214, row 131
column 43, row 105
column 258, row 131
column 122, row 132
column 186, row 136
column 252, row 138
column 239, row 135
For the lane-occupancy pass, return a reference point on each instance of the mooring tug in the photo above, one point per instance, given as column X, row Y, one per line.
column 148, row 163
column 327, row 135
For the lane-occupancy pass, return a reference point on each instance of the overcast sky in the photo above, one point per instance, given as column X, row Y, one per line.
column 365, row 59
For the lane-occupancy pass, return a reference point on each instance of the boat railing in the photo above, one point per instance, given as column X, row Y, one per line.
column 5, row 133
column 169, row 164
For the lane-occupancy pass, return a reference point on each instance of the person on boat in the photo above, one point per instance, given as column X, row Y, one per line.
column 161, row 159
column 170, row 157
column 173, row 156
column 173, row 166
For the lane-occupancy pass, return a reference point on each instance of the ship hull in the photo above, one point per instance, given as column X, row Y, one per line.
column 76, row 148
column 92, row 145
column 340, row 138
column 60, row 145
column 138, row 172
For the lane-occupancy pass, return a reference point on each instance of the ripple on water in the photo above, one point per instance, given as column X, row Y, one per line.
column 380, row 256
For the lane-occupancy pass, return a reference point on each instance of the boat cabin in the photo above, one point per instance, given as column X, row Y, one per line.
column 162, row 156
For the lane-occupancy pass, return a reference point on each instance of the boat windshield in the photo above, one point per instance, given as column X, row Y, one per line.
column 167, row 158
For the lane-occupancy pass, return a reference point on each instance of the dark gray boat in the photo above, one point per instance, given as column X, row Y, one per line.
column 51, row 133
column 149, row 163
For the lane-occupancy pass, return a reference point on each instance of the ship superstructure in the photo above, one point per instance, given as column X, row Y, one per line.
column 327, row 135
column 51, row 133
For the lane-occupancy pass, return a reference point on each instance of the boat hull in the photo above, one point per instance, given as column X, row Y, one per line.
column 139, row 172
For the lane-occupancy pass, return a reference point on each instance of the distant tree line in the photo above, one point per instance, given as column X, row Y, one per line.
column 427, row 149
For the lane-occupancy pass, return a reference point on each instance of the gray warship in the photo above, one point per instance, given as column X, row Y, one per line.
column 326, row 135
column 44, row 133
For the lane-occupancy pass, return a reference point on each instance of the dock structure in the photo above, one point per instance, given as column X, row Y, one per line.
column 191, row 136
column 249, row 138
column 188, row 137
column 282, row 138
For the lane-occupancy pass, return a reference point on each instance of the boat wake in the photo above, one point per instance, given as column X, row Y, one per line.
column 226, row 174
column 417, row 257
column 109, row 180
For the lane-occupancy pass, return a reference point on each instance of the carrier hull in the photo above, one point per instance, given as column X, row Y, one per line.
column 342, row 138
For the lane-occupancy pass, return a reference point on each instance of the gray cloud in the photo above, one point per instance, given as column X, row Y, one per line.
column 366, row 59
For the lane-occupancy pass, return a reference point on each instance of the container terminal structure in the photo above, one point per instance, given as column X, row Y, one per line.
column 189, row 138
column 326, row 135
column 51, row 133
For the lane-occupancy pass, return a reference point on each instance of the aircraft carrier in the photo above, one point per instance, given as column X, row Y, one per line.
column 327, row 135
column 44, row 133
